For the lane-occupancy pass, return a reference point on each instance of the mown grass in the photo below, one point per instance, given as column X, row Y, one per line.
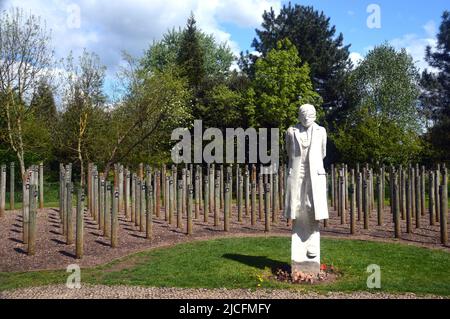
column 249, row 262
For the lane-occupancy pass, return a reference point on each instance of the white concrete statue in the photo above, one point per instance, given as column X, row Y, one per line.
column 306, row 189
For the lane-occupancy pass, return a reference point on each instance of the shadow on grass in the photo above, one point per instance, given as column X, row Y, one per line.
column 260, row 262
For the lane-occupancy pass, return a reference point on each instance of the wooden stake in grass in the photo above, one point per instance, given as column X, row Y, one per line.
column 142, row 208
column 32, row 223
column 247, row 192
column 352, row 203
column 79, row 248
column 157, row 185
column 114, row 217
column 276, row 204
column 261, row 193
column 437, row 182
column 102, row 203
column 332, row 186
column 206, row 202
column 26, row 210
column 3, row 190
column 179, row 204
column 217, row 201
column 226, row 208
column 417, row 200
column 107, row 231
column 366, row 204
column 379, row 206
column 443, row 191
column 396, row 211
column 133, row 198
column 149, row 223
column 171, row 200
column 190, row 199
column 197, row 192
column 408, row 206
column 240, row 195
column 342, row 198
column 267, row 208
column 137, row 210
column 69, row 225
column 41, row 185
column 359, row 195
column 11, row 186
column 431, row 201
column 253, row 206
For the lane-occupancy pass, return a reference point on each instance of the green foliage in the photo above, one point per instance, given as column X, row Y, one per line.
column 317, row 44
column 384, row 124
column 436, row 94
column 281, row 85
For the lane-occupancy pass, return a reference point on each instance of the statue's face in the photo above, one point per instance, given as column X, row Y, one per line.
column 307, row 115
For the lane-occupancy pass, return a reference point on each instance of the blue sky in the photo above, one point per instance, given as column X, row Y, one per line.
column 108, row 27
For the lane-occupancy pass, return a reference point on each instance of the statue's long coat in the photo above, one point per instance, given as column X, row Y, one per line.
column 317, row 152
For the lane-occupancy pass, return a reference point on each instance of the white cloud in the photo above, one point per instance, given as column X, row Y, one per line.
column 415, row 46
column 356, row 58
column 108, row 27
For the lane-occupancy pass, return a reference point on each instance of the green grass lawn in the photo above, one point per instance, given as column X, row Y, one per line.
column 241, row 262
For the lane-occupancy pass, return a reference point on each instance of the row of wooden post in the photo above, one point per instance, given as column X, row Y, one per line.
column 3, row 183
column 360, row 193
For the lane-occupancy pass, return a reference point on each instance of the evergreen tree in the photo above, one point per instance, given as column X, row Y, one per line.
column 317, row 44
column 43, row 103
column 436, row 95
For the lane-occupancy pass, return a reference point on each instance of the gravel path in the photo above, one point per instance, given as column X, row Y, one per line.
column 129, row 292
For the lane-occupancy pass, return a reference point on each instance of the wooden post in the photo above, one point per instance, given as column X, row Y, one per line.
column 32, row 223
column 107, row 230
column 437, row 178
column 190, row 199
column 197, row 192
column 133, row 198
column 222, row 191
column 396, row 212
column 69, row 224
column 180, row 204
column 431, row 200
column 267, row 208
column 114, row 217
column 101, row 203
column 142, row 210
column 342, row 197
column 79, row 246
column 352, row 203
column 183, row 197
column 137, row 210
column 171, row 199
column 332, row 186
column 408, row 206
column 157, row 185
column 261, row 193
column 417, row 200
column 379, row 207
column 216, row 200
column 422, row 190
column 359, row 195
column 275, row 204
column 226, row 208
column 247, row 192
column 240, row 195
column 11, row 186
column 41, row 185
column 366, row 203
column 413, row 191
column 211, row 188
column 3, row 190
column 253, row 204
column 149, row 222
column 403, row 193
column 444, row 207
column 206, row 202
column 26, row 209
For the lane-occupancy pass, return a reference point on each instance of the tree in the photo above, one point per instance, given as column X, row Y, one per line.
column 317, row 44
column 43, row 103
column 199, row 58
column 282, row 83
column 25, row 59
column 84, row 102
column 436, row 91
column 384, row 125
column 154, row 104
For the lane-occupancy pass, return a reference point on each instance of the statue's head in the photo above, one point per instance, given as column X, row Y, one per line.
column 307, row 115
